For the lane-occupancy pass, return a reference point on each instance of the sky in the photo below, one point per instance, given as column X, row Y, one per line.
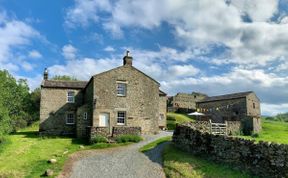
column 213, row 47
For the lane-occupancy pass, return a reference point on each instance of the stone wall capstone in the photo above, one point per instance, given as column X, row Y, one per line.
column 262, row 159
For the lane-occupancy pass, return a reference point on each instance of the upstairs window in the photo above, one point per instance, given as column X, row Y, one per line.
column 121, row 89
column 121, row 117
column 254, row 106
column 71, row 96
column 70, row 118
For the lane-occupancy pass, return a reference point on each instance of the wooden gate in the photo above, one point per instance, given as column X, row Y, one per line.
column 218, row 128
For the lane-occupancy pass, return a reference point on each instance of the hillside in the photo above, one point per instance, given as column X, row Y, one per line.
column 176, row 118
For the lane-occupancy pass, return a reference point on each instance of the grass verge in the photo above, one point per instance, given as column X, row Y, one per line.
column 176, row 118
column 181, row 164
column 272, row 131
column 25, row 154
column 154, row 144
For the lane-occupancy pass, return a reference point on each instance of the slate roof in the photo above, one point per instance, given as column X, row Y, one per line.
column 72, row 85
column 162, row 93
column 63, row 84
column 226, row 97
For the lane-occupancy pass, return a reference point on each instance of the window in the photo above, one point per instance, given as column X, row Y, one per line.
column 70, row 96
column 70, row 118
column 254, row 106
column 121, row 89
column 161, row 117
column 85, row 116
column 121, row 117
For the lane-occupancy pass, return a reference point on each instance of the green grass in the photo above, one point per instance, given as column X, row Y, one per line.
column 176, row 118
column 25, row 154
column 272, row 131
column 152, row 145
column 181, row 164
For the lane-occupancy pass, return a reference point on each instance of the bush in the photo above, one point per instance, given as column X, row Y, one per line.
column 171, row 118
column 98, row 139
column 128, row 138
column 171, row 125
column 255, row 135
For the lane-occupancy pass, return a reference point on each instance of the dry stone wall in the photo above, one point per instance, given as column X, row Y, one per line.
column 262, row 159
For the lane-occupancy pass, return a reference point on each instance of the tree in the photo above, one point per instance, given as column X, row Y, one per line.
column 15, row 102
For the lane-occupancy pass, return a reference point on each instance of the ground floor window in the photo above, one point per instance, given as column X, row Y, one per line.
column 121, row 117
column 161, row 117
column 70, row 118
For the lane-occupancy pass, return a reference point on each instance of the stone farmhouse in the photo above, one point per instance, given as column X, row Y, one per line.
column 243, row 107
column 122, row 100
column 185, row 102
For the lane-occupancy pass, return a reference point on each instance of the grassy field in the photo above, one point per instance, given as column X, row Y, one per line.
column 25, row 154
column 173, row 118
column 272, row 131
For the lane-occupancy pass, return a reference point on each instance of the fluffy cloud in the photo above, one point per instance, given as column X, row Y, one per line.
column 69, row 52
column 200, row 23
column 13, row 33
column 85, row 12
column 35, row 54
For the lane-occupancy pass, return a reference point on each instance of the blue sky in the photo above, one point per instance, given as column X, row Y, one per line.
column 214, row 47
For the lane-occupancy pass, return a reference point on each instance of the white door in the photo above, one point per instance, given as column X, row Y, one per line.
column 104, row 120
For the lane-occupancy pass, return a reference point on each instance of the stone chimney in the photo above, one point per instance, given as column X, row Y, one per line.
column 127, row 60
column 45, row 75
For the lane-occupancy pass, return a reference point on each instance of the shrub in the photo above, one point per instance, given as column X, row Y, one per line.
column 128, row 138
column 255, row 135
column 98, row 139
column 171, row 125
column 171, row 118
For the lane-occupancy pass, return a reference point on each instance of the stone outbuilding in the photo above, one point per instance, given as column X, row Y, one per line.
column 121, row 100
column 185, row 102
column 243, row 107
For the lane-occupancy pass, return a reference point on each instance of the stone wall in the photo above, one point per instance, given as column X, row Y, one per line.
column 262, row 159
column 126, row 131
column 233, row 127
column 116, row 131
column 93, row 131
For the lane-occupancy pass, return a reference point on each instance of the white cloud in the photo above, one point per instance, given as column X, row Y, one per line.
column 83, row 69
column 13, row 33
column 85, row 12
column 273, row 109
column 201, row 22
column 109, row 49
column 183, row 70
column 69, row 52
column 35, row 54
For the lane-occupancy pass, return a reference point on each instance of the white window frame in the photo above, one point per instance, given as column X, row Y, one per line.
column 122, row 118
column 70, row 96
column 69, row 114
column 122, row 89
column 85, row 116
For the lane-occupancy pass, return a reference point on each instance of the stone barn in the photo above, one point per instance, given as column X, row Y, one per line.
column 243, row 107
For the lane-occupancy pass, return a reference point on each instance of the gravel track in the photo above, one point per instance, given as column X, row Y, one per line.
column 119, row 162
